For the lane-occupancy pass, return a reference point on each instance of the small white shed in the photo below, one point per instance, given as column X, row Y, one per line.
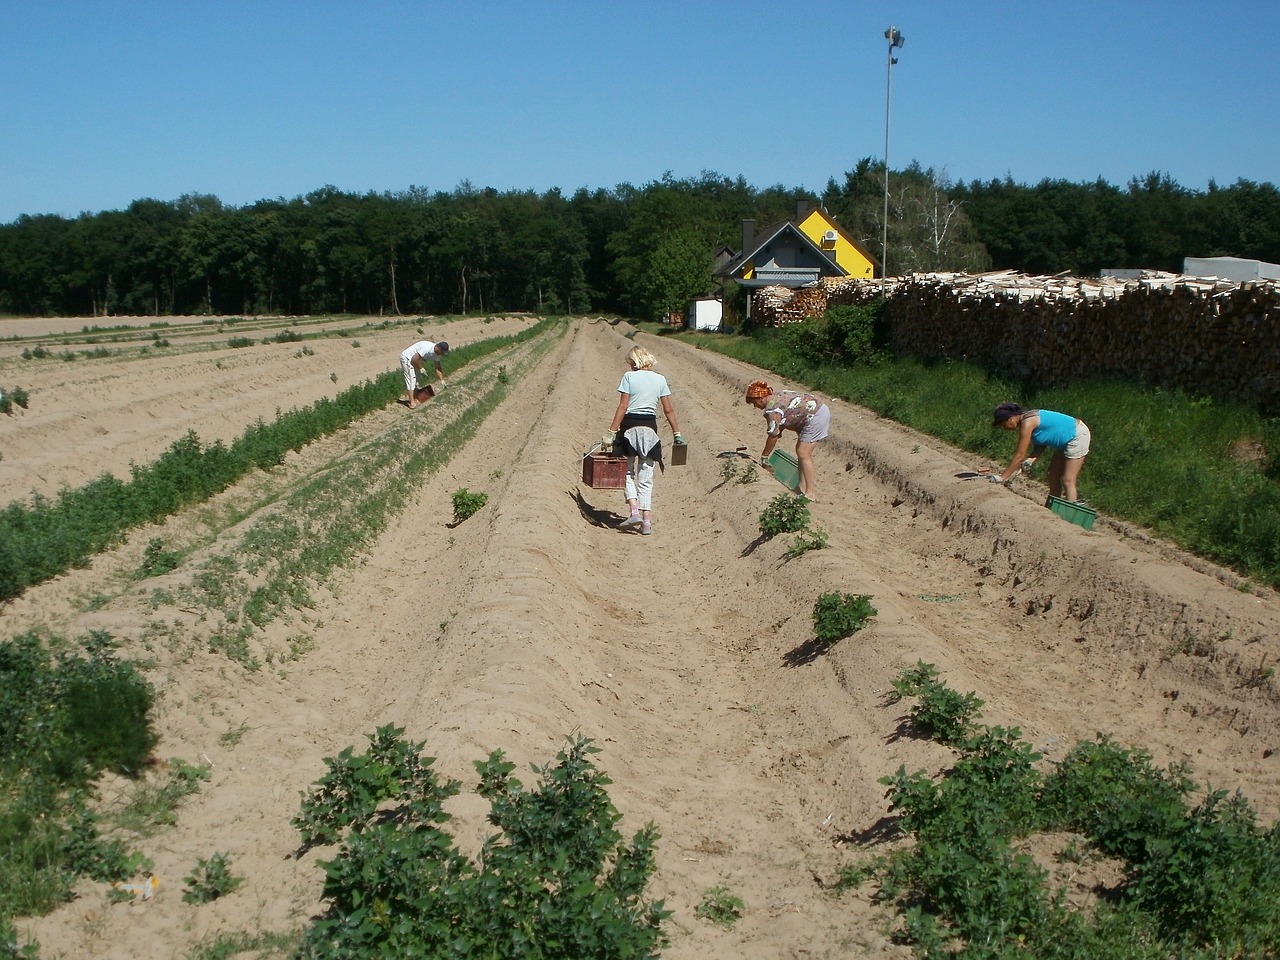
column 705, row 313
column 1230, row 268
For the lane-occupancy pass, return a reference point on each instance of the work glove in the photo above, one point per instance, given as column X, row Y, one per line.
column 441, row 384
column 678, row 440
column 607, row 440
column 1027, row 464
column 994, row 478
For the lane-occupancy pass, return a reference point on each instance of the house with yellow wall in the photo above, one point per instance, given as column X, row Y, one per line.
column 795, row 253
column 848, row 253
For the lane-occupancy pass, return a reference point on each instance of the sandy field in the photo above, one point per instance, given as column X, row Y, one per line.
column 687, row 656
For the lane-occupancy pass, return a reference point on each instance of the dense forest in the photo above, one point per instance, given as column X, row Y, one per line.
column 640, row 251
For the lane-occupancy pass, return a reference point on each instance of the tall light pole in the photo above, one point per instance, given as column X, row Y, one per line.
column 896, row 40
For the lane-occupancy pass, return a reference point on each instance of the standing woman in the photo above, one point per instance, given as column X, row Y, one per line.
column 634, row 432
column 1068, row 437
column 804, row 413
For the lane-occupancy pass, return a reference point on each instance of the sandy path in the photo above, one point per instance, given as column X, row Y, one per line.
column 685, row 655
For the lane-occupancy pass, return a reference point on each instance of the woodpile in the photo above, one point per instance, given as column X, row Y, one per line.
column 1202, row 336
column 774, row 306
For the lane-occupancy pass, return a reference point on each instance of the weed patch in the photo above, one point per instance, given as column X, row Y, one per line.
column 720, row 907
column 210, row 879
column 69, row 711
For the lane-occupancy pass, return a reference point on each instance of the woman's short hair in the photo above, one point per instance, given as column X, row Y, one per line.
column 1004, row 411
column 757, row 389
column 640, row 358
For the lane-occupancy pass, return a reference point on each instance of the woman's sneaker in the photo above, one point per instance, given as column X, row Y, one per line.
column 646, row 528
column 632, row 521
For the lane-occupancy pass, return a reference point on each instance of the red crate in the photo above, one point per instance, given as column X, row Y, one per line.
column 603, row 472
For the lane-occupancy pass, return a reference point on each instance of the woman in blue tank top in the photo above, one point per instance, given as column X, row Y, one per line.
column 1068, row 438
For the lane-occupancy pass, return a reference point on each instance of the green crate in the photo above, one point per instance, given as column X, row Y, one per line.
column 1078, row 513
column 785, row 469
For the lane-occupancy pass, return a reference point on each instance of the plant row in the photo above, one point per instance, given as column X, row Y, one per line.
column 1194, row 879
column 325, row 521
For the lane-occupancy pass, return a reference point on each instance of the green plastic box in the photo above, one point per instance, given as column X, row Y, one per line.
column 1077, row 513
column 785, row 469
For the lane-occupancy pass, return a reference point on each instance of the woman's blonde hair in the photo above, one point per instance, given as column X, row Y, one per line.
column 640, row 358
column 757, row 389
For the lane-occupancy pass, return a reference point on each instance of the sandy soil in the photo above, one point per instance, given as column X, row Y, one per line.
column 686, row 655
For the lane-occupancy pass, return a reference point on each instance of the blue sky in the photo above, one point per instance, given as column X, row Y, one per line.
column 108, row 101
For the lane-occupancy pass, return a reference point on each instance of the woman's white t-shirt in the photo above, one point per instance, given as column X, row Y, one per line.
column 645, row 389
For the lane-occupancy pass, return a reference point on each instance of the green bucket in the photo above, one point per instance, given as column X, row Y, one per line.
column 1077, row 513
column 785, row 469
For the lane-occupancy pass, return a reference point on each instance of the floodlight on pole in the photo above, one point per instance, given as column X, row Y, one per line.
column 896, row 40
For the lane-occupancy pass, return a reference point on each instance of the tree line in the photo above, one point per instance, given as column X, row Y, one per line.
column 639, row 251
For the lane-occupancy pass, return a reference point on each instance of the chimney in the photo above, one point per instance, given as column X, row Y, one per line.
column 748, row 234
column 803, row 206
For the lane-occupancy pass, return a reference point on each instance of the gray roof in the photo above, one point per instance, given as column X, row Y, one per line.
column 784, row 276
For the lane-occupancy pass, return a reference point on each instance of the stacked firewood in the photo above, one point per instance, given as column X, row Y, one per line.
column 1202, row 336
column 774, row 306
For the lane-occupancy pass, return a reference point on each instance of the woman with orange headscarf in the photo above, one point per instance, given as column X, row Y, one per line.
column 804, row 413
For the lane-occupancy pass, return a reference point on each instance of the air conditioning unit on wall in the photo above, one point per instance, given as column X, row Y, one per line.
column 830, row 236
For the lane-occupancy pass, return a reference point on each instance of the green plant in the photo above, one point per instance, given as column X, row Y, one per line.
column 784, row 514
column 558, row 872
column 502, row 375
column 838, row 615
column 749, row 474
column 466, row 503
column 156, row 560
column 150, row 805
column 720, row 907
column 940, row 713
column 237, row 343
column 14, row 396
column 210, row 879
column 806, row 540
column 75, row 715
column 231, row 738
